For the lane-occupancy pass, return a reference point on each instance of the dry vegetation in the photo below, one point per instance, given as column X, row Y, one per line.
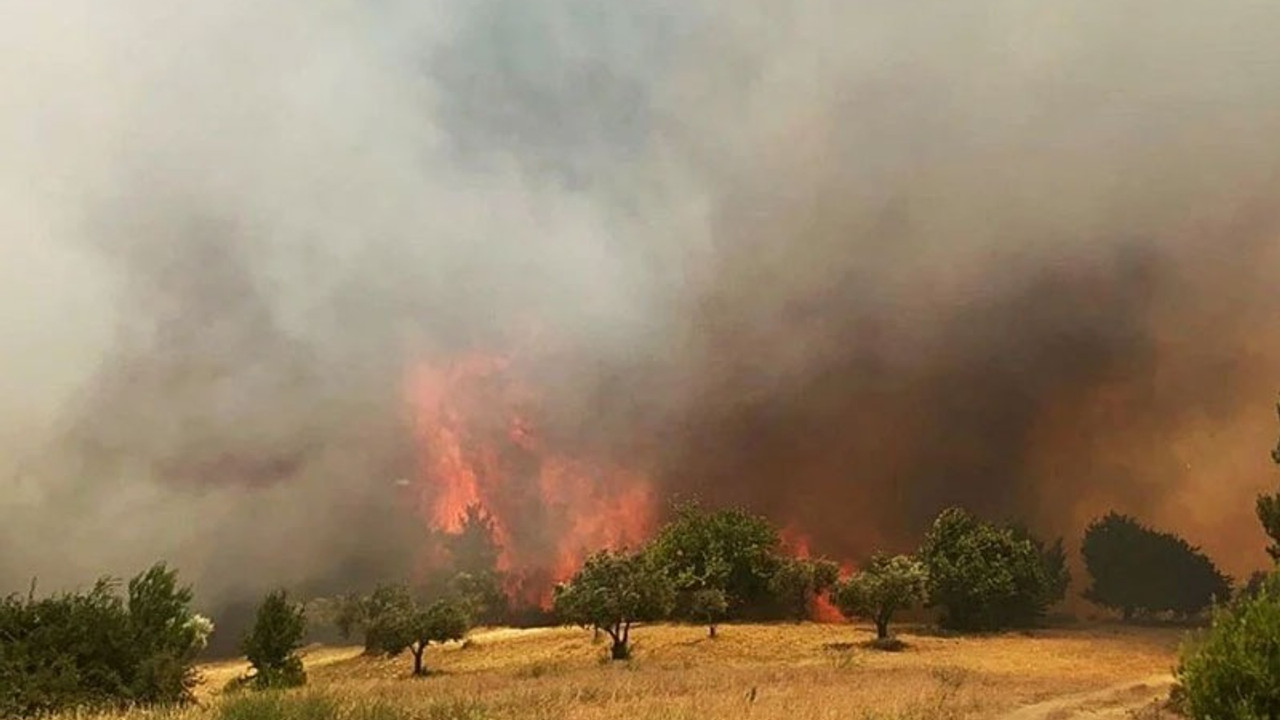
column 765, row 672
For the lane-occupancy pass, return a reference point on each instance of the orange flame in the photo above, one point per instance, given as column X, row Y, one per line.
column 479, row 444
column 822, row 609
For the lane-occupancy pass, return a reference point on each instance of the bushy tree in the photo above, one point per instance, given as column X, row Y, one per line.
column 99, row 648
column 1234, row 670
column 797, row 582
column 1140, row 571
column 988, row 577
column 727, row 550
column 709, row 607
column 613, row 591
column 272, row 643
column 394, row 620
column 886, row 585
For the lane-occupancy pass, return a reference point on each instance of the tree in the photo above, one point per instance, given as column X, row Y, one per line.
column 708, row 606
column 613, row 591
column 166, row 637
column 395, row 621
column 728, row 550
column 271, row 644
column 988, row 577
column 1139, row 571
column 887, row 585
column 1268, row 509
column 797, row 581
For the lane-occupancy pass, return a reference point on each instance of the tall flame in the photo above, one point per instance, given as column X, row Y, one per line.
column 479, row 443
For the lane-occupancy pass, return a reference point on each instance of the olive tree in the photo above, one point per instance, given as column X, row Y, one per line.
column 612, row 592
column 886, row 585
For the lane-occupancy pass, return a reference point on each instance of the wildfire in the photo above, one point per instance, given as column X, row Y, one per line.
column 479, row 443
column 799, row 543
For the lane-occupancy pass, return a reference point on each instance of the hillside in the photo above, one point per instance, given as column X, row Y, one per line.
column 773, row 671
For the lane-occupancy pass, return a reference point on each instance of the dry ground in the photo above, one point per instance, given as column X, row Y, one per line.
column 756, row 671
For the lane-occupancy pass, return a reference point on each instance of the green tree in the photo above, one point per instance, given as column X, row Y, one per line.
column 728, row 550
column 798, row 581
column 612, row 592
column 99, row 648
column 1268, row 509
column 1140, row 571
column 395, row 621
column 886, row 585
column 271, row 644
column 166, row 635
column 708, row 606
column 988, row 577
column 1234, row 670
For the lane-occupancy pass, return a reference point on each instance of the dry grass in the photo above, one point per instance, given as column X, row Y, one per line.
column 764, row 672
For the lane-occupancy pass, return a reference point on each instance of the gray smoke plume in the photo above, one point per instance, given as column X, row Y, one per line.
column 845, row 263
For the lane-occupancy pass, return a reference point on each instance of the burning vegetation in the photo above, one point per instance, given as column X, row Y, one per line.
column 485, row 464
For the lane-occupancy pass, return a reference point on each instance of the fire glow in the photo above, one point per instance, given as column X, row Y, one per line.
column 479, row 444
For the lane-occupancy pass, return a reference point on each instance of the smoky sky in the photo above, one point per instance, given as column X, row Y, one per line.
column 842, row 263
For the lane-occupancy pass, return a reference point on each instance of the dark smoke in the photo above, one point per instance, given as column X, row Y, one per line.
column 844, row 264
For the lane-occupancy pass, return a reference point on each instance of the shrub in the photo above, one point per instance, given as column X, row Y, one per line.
column 612, row 592
column 272, row 642
column 1139, row 571
column 887, row 585
column 97, row 648
column 1234, row 670
column 988, row 577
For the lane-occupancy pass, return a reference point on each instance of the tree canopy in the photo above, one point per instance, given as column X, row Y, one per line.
column 886, row 585
column 613, row 591
column 988, row 577
column 1140, row 571
column 728, row 550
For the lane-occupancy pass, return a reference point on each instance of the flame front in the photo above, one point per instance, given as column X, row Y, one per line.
column 479, row 444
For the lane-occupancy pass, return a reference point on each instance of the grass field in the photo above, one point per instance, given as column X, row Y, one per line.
column 755, row 671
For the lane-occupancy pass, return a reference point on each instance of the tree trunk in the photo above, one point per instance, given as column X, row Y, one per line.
column 619, row 651
column 1127, row 613
column 882, row 628
column 711, row 632
column 417, row 651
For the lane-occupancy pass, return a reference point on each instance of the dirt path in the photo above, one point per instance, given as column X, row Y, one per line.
column 1114, row 703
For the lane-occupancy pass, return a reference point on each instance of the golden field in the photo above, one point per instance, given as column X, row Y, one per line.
column 766, row 672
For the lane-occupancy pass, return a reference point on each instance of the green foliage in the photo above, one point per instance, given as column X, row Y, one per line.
column 1268, row 509
column 97, row 648
column 727, row 550
column 885, row 586
column 395, row 621
column 1140, row 571
column 272, row 642
column 1234, row 671
column 797, row 582
column 612, row 592
column 708, row 606
column 988, row 577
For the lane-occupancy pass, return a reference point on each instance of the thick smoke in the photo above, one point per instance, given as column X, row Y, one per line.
column 846, row 263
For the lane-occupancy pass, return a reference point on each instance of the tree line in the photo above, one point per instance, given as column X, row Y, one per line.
column 138, row 646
